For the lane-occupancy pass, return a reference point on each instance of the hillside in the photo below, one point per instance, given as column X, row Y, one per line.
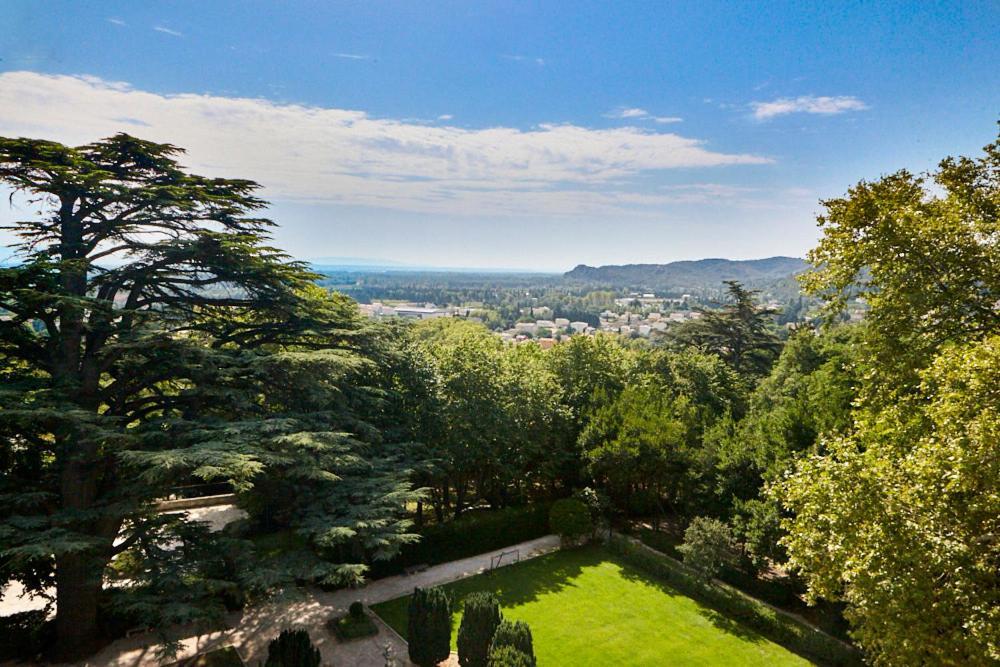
column 691, row 275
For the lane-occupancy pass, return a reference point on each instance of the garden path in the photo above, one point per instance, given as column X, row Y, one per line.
column 252, row 629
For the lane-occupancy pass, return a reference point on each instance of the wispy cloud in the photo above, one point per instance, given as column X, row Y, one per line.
column 351, row 56
column 116, row 21
column 342, row 156
column 523, row 59
column 635, row 113
column 168, row 31
column 445, row 116
column 806, row 104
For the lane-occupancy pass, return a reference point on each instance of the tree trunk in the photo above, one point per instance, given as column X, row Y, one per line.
column 78, row 591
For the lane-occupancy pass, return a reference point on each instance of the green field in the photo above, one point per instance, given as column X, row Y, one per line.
column 587, row 608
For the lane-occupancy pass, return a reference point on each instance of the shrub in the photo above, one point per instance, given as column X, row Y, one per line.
column 24, row 635
column 356, row 610
column 292, row 648
column 708, row 546
column 349, row 626
column 479, row 622
column 473, row 533
column 508, row 656
column 429, row 627
column 516, row 635
column 570, row 518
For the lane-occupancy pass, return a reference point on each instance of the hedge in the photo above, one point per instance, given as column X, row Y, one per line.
column 472, row 533
column 778, row 627
column 828, row 616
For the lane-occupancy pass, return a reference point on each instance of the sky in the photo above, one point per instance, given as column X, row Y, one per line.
column 518, row 135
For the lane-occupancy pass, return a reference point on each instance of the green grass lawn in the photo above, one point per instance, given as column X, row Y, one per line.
column 587, row 608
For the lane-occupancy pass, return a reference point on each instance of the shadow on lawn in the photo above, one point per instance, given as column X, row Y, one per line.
column 719, row 620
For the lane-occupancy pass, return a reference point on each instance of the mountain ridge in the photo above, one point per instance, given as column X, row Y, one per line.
column 691, row 274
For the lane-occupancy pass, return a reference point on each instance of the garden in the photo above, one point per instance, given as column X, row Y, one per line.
column 588, row 606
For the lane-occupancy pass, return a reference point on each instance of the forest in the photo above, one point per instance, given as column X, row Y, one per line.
column 151, row 337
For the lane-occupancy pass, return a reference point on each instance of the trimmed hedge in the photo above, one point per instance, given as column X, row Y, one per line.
column 475, row 532
column 777, row 627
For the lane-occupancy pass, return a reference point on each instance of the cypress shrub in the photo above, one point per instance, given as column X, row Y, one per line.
column 429, row 627
column 292, row 648
column 508, row 656
column 479, row 622
column 516, row 635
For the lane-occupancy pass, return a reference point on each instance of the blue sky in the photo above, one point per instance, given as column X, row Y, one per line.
column 519, row 135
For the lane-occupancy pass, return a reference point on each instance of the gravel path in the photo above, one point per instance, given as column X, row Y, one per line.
column 252, row 629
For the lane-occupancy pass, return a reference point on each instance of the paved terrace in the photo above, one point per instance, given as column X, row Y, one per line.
column 252, row 629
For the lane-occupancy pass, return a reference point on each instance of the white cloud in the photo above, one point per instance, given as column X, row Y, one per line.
column 116, row 21
column 806, row 104
column 523, row 59
column 635, row 113
column 445, row 116
column 351, row 56
column 342, row 156
column 168, row 31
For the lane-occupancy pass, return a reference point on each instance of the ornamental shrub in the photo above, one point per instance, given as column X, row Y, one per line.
column 429, row 627
column 515, row 634
column 708, row 546
column 508, row 656
column 479, row 622
column 292, row 648
column 570, row 518
column 356, row 610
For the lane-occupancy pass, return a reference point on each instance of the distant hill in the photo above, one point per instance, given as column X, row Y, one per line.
column 693, row 276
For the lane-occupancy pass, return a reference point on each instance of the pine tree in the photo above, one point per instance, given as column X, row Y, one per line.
column 150, row 335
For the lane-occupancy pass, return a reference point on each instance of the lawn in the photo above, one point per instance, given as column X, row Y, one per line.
column 587, row 608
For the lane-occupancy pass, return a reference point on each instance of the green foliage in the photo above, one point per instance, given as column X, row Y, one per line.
column 741, row 333
column 203, row 354
column 357, row 610
column 708, row 546
column 351, row 626
column 508, row 656
column 471, row 534
column 480, row 618
column 571, row 520
column 516, row 635
column 898, row 516
column 292, row 648
column 26, row 635
column 780, row 628
column 429, row 626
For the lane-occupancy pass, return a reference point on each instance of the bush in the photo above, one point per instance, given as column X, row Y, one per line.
column 292, row 648
column 473, row 533
column 508, row 656
column 777, row 627
column 480, row 619
column 356, row 610
column 570, row 518
column 429, row 627
column 516, row 635
column 708, row 546
column 25, row 635
column 348, row 627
